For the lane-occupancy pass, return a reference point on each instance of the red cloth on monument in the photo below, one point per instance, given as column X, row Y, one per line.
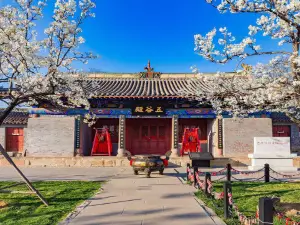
column 102, row 143
column 190, row 141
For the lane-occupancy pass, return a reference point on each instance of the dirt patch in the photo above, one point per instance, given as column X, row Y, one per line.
column 290, row 209
column 3, row 204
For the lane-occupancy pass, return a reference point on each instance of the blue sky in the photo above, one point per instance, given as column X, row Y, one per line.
column 128, row 33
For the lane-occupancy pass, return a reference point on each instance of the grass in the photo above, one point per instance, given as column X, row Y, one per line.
column 246, row 195
column 217, row 206
column 62, row 196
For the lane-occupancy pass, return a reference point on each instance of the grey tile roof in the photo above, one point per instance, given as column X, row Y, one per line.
column 3, row 91
column 18, row 117
column 143, row 87
column 280, row 117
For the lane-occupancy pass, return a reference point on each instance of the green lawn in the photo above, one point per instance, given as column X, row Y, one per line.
column 62, row 196
column 246, row 195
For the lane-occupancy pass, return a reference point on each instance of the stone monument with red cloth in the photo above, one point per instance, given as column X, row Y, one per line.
column 102, row 143
column 190, row 141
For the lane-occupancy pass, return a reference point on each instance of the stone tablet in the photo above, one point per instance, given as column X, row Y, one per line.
column 272, row 150
column 272, row 146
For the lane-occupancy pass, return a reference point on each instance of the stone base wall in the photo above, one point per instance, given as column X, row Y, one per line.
column 112, row 161
column 238, row 135
column 297, row 162
column 97, row 161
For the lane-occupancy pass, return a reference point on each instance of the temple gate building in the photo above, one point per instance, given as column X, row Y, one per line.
column 145, row 114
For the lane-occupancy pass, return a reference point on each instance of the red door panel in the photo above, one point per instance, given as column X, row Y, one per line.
column 281, row 131
column 14, row 139
column 148, row 136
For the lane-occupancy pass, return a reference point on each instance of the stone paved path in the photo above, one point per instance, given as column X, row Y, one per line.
column 136, row 200
column 40, row 173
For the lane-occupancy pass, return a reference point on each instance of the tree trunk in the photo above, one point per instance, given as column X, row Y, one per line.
column 296, row 44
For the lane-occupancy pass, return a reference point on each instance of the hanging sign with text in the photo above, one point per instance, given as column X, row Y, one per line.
column 148, row 109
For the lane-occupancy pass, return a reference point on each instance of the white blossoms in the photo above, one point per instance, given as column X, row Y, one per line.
column 271, row 86
column 40, row 67
column 252, row 30
column 81, row 40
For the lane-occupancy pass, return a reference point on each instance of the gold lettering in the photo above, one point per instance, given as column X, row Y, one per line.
column 139, row 109
column 158, row 109
column 149, row 109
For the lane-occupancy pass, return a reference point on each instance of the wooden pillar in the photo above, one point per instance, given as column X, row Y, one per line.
column 86, row 139
column 78, row 136
column 227, row 207
column 174, row 144
column 220, row 137
column 267, row 173
column 122, row 140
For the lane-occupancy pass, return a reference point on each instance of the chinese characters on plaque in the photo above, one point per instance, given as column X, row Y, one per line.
column 148, row 110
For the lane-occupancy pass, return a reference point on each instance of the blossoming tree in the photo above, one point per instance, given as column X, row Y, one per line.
column 274, row 86
column 37, row 68
column 34, row 68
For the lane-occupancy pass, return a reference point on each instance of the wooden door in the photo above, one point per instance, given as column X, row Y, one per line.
column 281, row 131
column 148, row 136
column 14, row 139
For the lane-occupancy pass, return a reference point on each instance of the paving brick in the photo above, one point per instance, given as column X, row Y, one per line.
column 128, row 200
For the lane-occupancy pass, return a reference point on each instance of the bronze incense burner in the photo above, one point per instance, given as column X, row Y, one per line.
column 149, row 163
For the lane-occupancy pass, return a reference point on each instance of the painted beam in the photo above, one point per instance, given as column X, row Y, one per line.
column 115, row 113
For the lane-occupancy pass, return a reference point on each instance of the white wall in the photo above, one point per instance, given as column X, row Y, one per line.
column 238, row 135
column 50, row 136
column 2, row 136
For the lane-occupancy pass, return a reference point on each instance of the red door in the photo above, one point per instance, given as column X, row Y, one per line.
column 148, row 136
column 281, row 131
column 14, row 139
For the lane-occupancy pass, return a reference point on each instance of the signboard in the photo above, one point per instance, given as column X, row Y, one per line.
column 272, row 146
column 148, row 109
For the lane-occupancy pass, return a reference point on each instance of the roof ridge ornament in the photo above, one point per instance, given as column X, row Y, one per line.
column 149, row 72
